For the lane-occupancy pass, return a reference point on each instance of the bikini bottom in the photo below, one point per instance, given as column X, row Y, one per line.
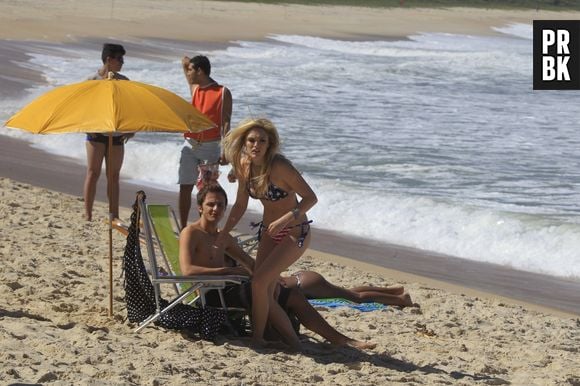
column 304, row 230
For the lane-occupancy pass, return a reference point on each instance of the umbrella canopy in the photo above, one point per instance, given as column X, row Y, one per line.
column 109, row 106
column 97, row 106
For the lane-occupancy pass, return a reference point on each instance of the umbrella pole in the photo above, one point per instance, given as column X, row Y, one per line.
column 110, row 193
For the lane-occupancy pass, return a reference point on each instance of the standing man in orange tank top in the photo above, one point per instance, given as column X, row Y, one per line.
column 215, row 101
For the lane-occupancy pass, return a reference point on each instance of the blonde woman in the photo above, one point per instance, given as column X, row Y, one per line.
column 253, row 149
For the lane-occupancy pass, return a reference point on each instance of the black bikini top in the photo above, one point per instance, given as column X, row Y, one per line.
column 274, row 193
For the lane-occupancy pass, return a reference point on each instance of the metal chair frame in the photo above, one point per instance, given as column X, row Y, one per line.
column 201, row 283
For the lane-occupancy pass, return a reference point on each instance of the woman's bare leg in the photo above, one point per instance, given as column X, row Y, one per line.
column 95, row 155
column 117, row 155
column 278, row 319
column 313, row 321
column 395, row 289
column 403, row 300
column 271, row 260
column 315, row 286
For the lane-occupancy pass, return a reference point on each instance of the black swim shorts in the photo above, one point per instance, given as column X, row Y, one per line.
column 118, row 140
column 240, row 296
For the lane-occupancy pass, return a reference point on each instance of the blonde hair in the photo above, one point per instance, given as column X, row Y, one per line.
column 234, row 149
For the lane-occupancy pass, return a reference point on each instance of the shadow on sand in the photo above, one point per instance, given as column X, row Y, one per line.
column 324, row 353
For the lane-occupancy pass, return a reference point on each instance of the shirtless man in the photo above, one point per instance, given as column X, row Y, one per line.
column 195, row 258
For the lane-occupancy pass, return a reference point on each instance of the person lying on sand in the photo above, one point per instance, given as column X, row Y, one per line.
column 196, row 242
column 314, row 286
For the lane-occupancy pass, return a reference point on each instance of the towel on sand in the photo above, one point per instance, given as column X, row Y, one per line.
column 338, row 302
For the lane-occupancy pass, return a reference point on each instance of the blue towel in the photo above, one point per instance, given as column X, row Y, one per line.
column 338, row 302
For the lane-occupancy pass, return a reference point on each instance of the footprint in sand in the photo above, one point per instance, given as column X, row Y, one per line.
column 14, row 286
column 66, row 326
column 75, row 273
column 65, row 307
column 48, row 377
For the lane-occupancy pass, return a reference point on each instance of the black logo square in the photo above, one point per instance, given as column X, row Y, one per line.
column 556, row 55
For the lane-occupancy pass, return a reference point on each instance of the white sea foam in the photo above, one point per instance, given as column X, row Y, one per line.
column 517, row 240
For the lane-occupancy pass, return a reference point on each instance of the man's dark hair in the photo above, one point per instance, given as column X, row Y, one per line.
column 111, row 50
column 210, row 188
column 201, row 61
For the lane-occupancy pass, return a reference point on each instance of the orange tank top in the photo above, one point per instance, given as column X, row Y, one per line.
column 210, row 101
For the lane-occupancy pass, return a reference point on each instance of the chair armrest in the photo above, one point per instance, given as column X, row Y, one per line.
column 208, row 279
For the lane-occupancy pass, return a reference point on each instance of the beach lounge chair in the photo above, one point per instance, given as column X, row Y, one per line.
column 160, row 230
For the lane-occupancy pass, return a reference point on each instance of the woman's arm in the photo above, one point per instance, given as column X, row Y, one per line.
column 294, row 180
column 238, row 210
column 301, row 187
column 237, row 253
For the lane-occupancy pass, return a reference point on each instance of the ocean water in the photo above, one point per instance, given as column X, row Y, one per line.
column 436, row 142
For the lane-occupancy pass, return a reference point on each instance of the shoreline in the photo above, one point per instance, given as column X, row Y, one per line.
column 221, row 22
column 551, row 294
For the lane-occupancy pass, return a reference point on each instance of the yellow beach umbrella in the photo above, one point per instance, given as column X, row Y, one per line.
column 108, row 107
column 112, row 106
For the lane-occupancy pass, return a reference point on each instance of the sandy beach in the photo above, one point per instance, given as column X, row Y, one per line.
column 478, row 324
column 219, row 21
column 55, row 328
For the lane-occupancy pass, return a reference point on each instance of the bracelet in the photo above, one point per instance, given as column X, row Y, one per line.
column 295, row 213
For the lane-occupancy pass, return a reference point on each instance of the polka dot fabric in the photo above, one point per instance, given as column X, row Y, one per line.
column 140, row 295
